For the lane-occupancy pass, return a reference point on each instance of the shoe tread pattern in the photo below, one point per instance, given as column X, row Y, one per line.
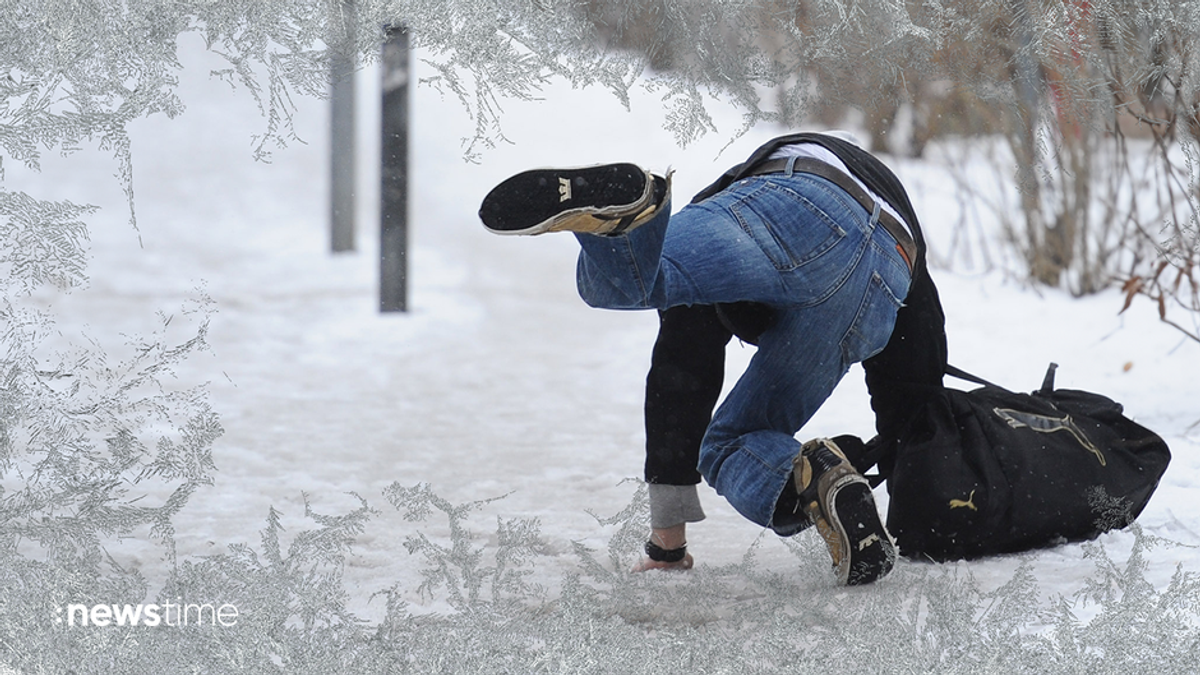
column 868, row 545
column 531, row 198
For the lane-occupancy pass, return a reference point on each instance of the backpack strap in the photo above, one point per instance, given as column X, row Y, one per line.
column 961, row 374
column 1047, row 381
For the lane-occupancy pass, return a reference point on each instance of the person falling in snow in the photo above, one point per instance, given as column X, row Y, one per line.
column 793, row 250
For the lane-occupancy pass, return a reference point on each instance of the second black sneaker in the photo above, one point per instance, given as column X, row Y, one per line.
column 839, row 502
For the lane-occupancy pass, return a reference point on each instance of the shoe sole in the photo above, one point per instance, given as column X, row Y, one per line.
column 870, row 552
column 532, row 202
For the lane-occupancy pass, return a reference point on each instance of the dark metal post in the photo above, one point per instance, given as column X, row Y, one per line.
column 341, row 146
column 393, row 230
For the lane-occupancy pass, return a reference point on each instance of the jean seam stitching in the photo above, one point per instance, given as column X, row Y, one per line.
column 791, row 261
column 644, row 299
column 855, row 260
column 876, row 280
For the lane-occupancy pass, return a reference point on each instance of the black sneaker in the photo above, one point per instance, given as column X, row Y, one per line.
column 839, row 501
column 603, row 199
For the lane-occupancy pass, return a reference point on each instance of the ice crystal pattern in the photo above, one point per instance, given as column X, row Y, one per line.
column 742, row 617
column 94, row 446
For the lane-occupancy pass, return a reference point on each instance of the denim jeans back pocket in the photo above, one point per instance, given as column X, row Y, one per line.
column 873, row 324
column 789, row 228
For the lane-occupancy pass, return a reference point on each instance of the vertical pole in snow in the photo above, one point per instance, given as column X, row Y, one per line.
column 393, row 227
column 341, row 145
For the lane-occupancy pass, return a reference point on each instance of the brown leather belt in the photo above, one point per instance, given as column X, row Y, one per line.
column 904, row 241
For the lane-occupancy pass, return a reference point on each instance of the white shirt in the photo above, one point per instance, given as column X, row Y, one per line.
column 819, row 152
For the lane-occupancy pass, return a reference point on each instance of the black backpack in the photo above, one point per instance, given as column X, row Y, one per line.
column 988, row 471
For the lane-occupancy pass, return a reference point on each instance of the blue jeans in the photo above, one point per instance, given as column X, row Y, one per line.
column 797, row 243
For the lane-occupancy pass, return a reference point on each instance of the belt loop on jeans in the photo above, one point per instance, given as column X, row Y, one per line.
column 875, row 214
column 791, row 166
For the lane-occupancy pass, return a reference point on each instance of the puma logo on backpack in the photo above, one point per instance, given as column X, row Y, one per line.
column 1044, row 423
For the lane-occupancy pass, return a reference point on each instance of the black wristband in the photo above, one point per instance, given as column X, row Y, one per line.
column 660, row 554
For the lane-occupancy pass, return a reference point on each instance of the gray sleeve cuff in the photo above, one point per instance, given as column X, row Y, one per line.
column 672, row 505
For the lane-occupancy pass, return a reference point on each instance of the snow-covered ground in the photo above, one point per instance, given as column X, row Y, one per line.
column 500, row 381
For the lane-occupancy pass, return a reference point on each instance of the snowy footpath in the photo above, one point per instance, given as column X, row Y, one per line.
column 499, row 382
